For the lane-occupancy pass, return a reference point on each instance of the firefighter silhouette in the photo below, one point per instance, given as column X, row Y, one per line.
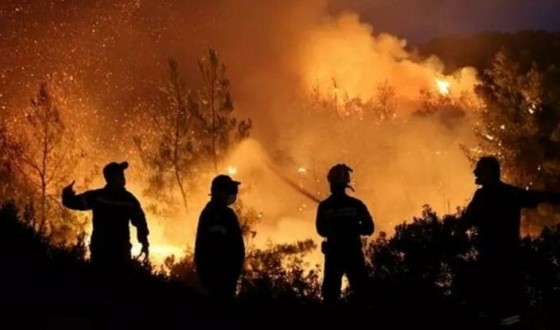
column 219, row 248
column 495, row 214
column 113, row 209
column 341, row 221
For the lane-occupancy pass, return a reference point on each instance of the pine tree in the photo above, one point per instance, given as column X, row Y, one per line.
column 193, row 128
column 215, row 109
column 520, row 121
column 175, row 149
column 44, row 156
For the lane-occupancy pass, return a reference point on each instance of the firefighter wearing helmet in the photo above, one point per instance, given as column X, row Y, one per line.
column 341, row 221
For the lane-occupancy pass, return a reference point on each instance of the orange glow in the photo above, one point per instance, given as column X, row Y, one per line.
column 232, row 170
column 342, row 58
column 288, row 66
column 443, row 86
column 159, row 252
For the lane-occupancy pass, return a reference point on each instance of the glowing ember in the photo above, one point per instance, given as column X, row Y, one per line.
column 443, row 86
column 232, row 170
column 104, row 97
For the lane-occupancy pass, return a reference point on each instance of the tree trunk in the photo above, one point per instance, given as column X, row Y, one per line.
column 180, row 108
column 43, row 174
column 213, row 107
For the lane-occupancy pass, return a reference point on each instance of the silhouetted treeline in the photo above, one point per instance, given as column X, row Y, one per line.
column 429, row 264
column 478, row 50
column 47, row 286
column 418, row 276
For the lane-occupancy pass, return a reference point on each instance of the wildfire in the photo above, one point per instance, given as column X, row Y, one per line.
column 159, row 252
column 338, row 56
column 443, row 86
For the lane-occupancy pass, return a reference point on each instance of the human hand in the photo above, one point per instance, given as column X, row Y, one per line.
column 69, row 189
column 145, row 251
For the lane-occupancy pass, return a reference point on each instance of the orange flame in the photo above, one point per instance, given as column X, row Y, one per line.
column 443, row 86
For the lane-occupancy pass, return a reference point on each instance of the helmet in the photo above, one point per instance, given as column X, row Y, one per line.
column 339, row 175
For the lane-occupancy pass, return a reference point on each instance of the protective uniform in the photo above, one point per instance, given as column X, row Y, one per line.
column 113, row 210
column 341, row 220
column 495, row 211
column 219, row 246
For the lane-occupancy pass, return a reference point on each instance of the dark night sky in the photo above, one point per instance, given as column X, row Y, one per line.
column 420, row 20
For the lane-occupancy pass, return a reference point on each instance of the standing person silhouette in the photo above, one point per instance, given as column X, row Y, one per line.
column 495, row 213
column 342, row 220
column 219, row 248
column 113, row 208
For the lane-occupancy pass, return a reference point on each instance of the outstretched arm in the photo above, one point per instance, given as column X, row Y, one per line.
column 81, row 202
column 532, row 198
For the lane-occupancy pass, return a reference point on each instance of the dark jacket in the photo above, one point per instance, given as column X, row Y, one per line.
column 113, row 210
column 495, row 211
column 342, row 219
column 219, row 242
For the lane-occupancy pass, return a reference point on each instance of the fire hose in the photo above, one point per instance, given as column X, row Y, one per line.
column 291, row 183
column 296, row 187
